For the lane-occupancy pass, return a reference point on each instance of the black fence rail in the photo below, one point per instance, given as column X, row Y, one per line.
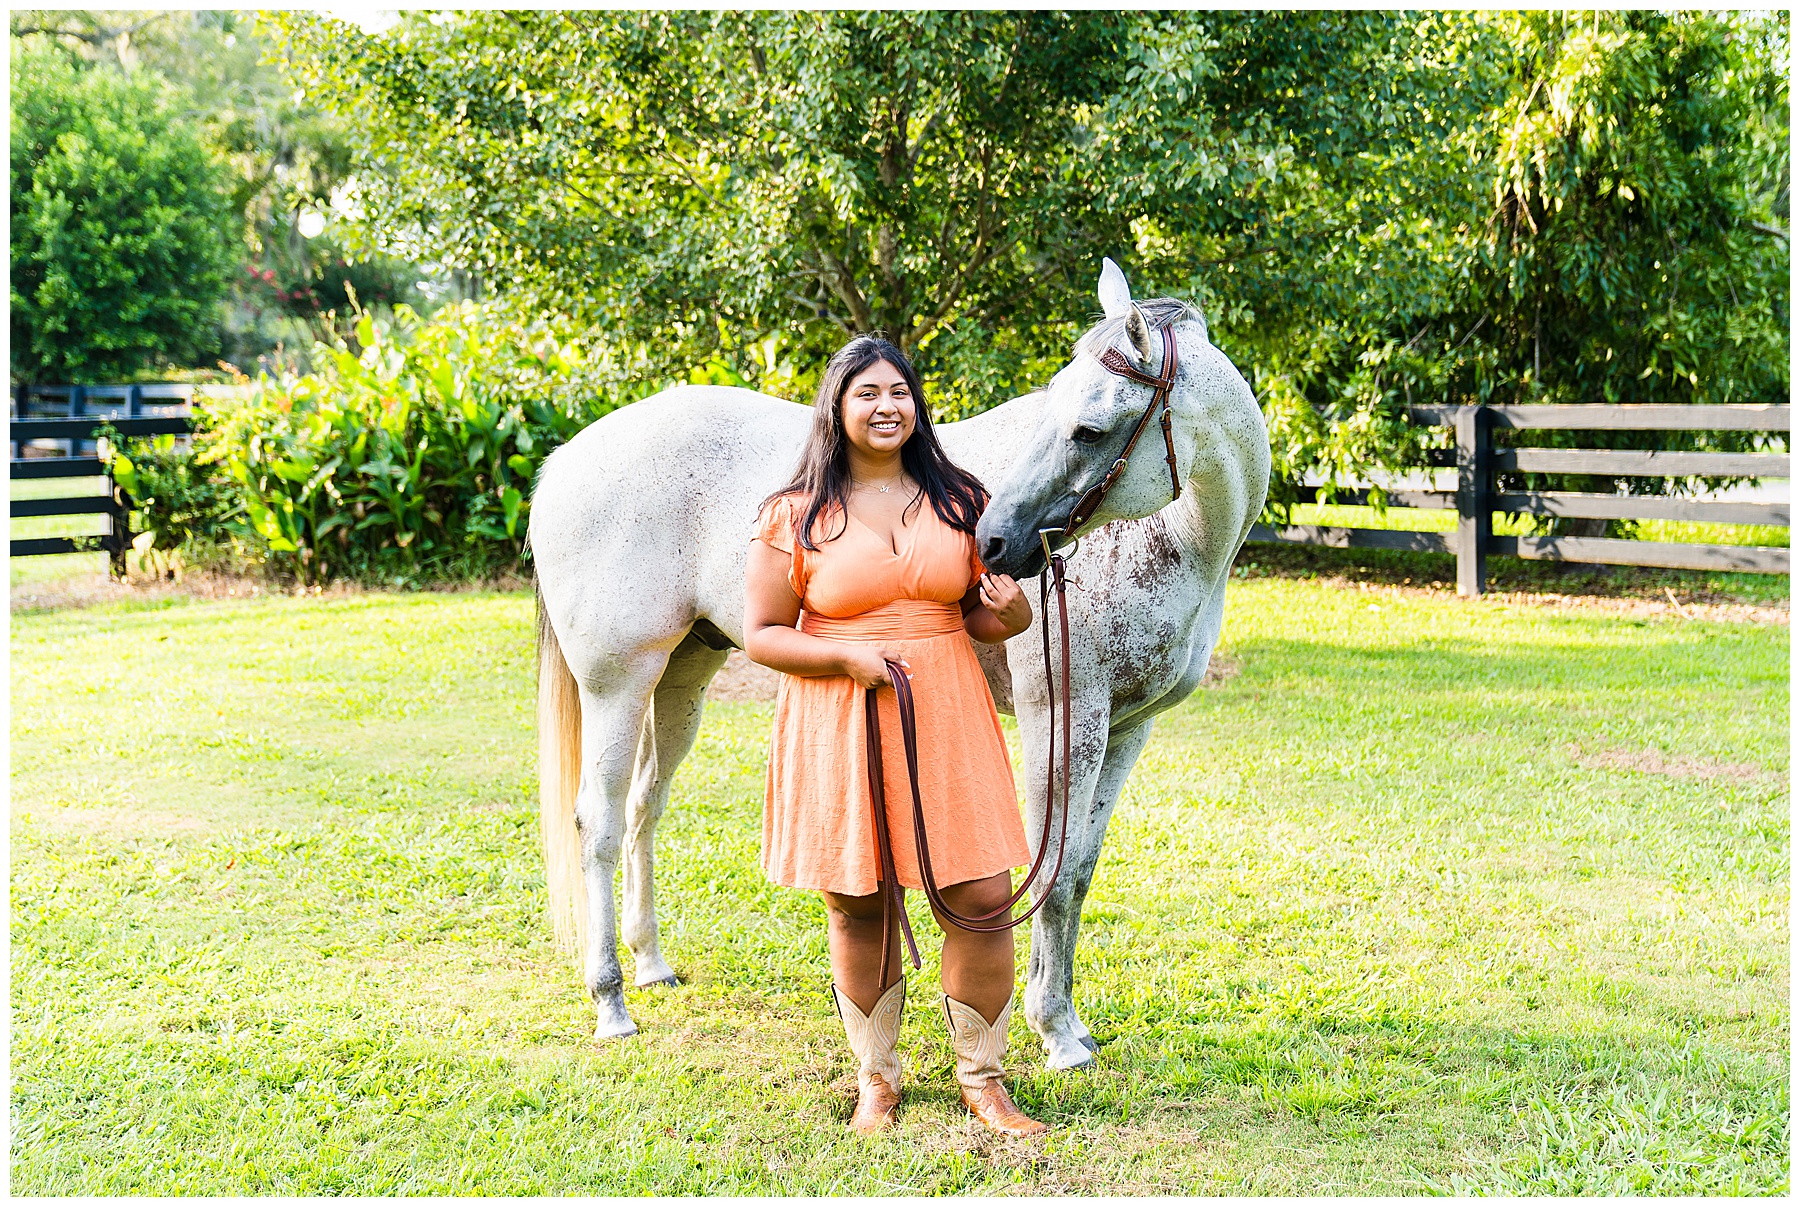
column 1476, row 499
column 52, row 435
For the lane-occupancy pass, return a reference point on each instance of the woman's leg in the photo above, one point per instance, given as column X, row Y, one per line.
column 978, row 988
column 870, row 1011
column 977, row 967
column 853, row 932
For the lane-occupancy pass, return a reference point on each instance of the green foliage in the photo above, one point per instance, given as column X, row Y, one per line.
column 174, row 495
column 283, row 158
column 121, row 224
column 409, row 457
column 1635, row 184
column 1583, row 209
column 701, row 182
column 1374, row 209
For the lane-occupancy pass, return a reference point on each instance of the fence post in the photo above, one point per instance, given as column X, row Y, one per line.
column 77, row 407
column 118, row 515
column 134, row 401
column 118, row 519
column 1474, row 497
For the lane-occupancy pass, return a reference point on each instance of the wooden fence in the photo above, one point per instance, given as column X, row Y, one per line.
column 1476, row 498
column 52, row 436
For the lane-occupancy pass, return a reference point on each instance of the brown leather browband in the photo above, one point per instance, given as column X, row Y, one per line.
column 893, row 898
column 1160, row 385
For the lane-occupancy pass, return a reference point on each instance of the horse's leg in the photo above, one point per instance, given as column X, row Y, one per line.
column 668, row 735
column 612, row 721
column 1050, row 982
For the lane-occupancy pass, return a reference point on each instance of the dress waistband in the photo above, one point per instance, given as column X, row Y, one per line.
column 893, row 621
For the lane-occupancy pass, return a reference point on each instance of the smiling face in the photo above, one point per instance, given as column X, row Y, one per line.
column 878, row 411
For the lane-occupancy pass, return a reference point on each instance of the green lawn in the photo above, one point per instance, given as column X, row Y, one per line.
column 1411, row 519
column 91, row 524
column 1431, row 896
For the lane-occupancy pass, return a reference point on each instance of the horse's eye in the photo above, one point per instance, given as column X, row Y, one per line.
column 1088, row 435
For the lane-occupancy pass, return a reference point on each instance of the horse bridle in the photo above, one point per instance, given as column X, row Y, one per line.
column 1160, row 385
column 892, row 899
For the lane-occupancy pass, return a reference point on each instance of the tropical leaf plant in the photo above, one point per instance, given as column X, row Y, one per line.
column 407, row 455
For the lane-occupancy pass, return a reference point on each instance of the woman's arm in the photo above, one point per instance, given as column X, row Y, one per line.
column 771, row 610
column 995, row 609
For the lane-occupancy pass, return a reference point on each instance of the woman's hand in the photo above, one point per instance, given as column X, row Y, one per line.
column 868, row 664
column 1001, row 595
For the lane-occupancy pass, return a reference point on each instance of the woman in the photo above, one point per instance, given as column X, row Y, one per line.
column 869, row 555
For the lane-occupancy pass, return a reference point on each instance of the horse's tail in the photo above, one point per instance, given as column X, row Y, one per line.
column 559, row 779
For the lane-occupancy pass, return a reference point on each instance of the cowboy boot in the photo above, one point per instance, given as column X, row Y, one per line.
column 979, row 1045
column 875, row 1038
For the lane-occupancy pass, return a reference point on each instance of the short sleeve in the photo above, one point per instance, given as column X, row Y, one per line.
column 775, row 528
column 775, row 525
column 976, row 568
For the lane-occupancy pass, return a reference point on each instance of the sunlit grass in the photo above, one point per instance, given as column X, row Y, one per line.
column 1413, row 519
column 1386, row 912
column 57, row 568
column 27, row 527
column 1712, row 534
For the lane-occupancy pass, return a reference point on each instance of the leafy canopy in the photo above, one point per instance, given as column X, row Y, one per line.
column 1373, row 208
column 701, row 182
column 122, row 225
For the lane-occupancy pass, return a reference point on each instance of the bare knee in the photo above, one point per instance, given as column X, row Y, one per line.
column 852, row 913
column 974, row 898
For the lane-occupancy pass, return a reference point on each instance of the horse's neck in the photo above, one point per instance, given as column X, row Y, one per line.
column 1224, row 480
column 987, row 444
column 1182, row 517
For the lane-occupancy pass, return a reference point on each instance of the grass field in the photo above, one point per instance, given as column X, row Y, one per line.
column 1409, row 519
column 26, row 527
column 1430, row 896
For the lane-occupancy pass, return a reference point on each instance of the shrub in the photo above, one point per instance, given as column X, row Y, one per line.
column 174, row 496
column 407, row 458
column 122, row 229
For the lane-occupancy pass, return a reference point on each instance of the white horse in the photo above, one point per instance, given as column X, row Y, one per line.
column 640, row 527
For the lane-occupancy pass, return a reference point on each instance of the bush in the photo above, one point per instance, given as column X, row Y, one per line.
column 122, row 229
column 407, row 458
column 174, row 496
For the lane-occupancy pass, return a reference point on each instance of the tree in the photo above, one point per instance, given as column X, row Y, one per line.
column 1639, row 168
column 701, row 183
column 285, row 157
column 122, row 228
column 1372, row 208
column 1456, row 229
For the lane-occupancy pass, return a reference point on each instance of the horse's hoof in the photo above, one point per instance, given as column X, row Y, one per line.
column 1066, row 1055
column 615, row 1029
column 663, row 982
column 654, row 970
column 614, row 1021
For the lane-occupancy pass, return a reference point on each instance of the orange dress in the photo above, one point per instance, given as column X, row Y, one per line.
column 818, row 828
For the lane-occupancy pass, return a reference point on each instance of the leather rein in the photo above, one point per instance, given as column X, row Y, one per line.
column 892, row 894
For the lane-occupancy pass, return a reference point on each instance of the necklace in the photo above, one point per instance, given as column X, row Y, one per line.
column 891, row 482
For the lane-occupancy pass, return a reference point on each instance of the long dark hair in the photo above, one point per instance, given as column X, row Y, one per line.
column 823, row 475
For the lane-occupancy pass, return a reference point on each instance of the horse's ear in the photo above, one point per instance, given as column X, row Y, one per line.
column 1115, row 291
column 1137, row 329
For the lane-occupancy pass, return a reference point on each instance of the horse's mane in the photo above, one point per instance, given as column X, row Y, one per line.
column 1158, row 312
